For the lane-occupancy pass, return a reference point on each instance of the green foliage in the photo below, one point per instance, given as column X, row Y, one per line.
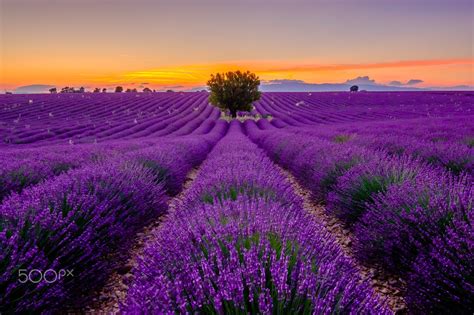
column 234, row 91
column 342, row 138
column 220, row 194
column 160, row 173
column 469, row 141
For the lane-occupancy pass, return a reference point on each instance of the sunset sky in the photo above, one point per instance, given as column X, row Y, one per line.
column 177, row 44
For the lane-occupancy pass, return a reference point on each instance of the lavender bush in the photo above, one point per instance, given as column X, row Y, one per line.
column 72, row 222
column 247, row 252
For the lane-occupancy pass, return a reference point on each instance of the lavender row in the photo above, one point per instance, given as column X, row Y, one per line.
column 28, row 166
column 240, row 242
column 412, row 218
column 24, row 168
column 307, row 109
column 82, row 221
column 84, row 119
column 448, row 147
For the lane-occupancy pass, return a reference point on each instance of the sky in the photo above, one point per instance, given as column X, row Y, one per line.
column 178, row 44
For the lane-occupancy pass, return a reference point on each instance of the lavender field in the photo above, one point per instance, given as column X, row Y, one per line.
column 312, row 203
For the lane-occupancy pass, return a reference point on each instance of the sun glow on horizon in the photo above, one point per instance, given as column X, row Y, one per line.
column 181, row 42
column 433, row 72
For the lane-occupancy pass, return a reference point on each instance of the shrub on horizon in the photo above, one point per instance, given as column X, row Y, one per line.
column 234, row 91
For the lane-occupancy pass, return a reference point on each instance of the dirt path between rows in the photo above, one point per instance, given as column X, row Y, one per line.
column 114, row 292
column 388, row 287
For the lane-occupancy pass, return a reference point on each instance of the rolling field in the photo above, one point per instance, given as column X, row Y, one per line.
column 326, row 203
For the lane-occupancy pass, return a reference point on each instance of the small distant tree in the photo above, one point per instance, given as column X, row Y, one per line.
column 147, row 90
column 354, row 88
column 234, row 91
column 118, row 89
column 96, row 90
column 169, row 91
column 53, row 90
column 82, row 89
column 104, row 90
column 67, row 89
column 134, row 90
column 128, row 90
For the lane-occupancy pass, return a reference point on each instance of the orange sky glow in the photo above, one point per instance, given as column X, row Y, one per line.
column 440, row 72
column 178, row 44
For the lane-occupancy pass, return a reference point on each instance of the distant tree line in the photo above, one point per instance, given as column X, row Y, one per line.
column 118, row 89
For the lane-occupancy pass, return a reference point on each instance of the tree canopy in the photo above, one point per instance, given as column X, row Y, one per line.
column 234, row 91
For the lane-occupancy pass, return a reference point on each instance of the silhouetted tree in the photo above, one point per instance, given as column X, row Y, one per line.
column 118, row 89
column 81, row 89
column 104, row 90
column 354, row 88
column 68, row 89
column 234, row 91
column 96, row 90
column 147, row 90
column 169, row 91
column 53, row 90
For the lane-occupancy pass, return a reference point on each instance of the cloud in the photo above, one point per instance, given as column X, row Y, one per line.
column 409, row 82
column 454, row 88
column 414, row 81
column 292, row 67
column 364, row 83
column 284, row 81
column 174, row 86
column 361, row 80
column 33, row 88
column 192, row 75
column 395, row 83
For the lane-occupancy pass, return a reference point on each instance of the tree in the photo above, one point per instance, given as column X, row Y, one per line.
column 53, row 90
column 234, row 91
column 169, row 91
column 96, row 90
column 81, row 89
column 147, row 90
column 354, row 88
column 104, row 90
column 118, row 89
column 67, row 89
